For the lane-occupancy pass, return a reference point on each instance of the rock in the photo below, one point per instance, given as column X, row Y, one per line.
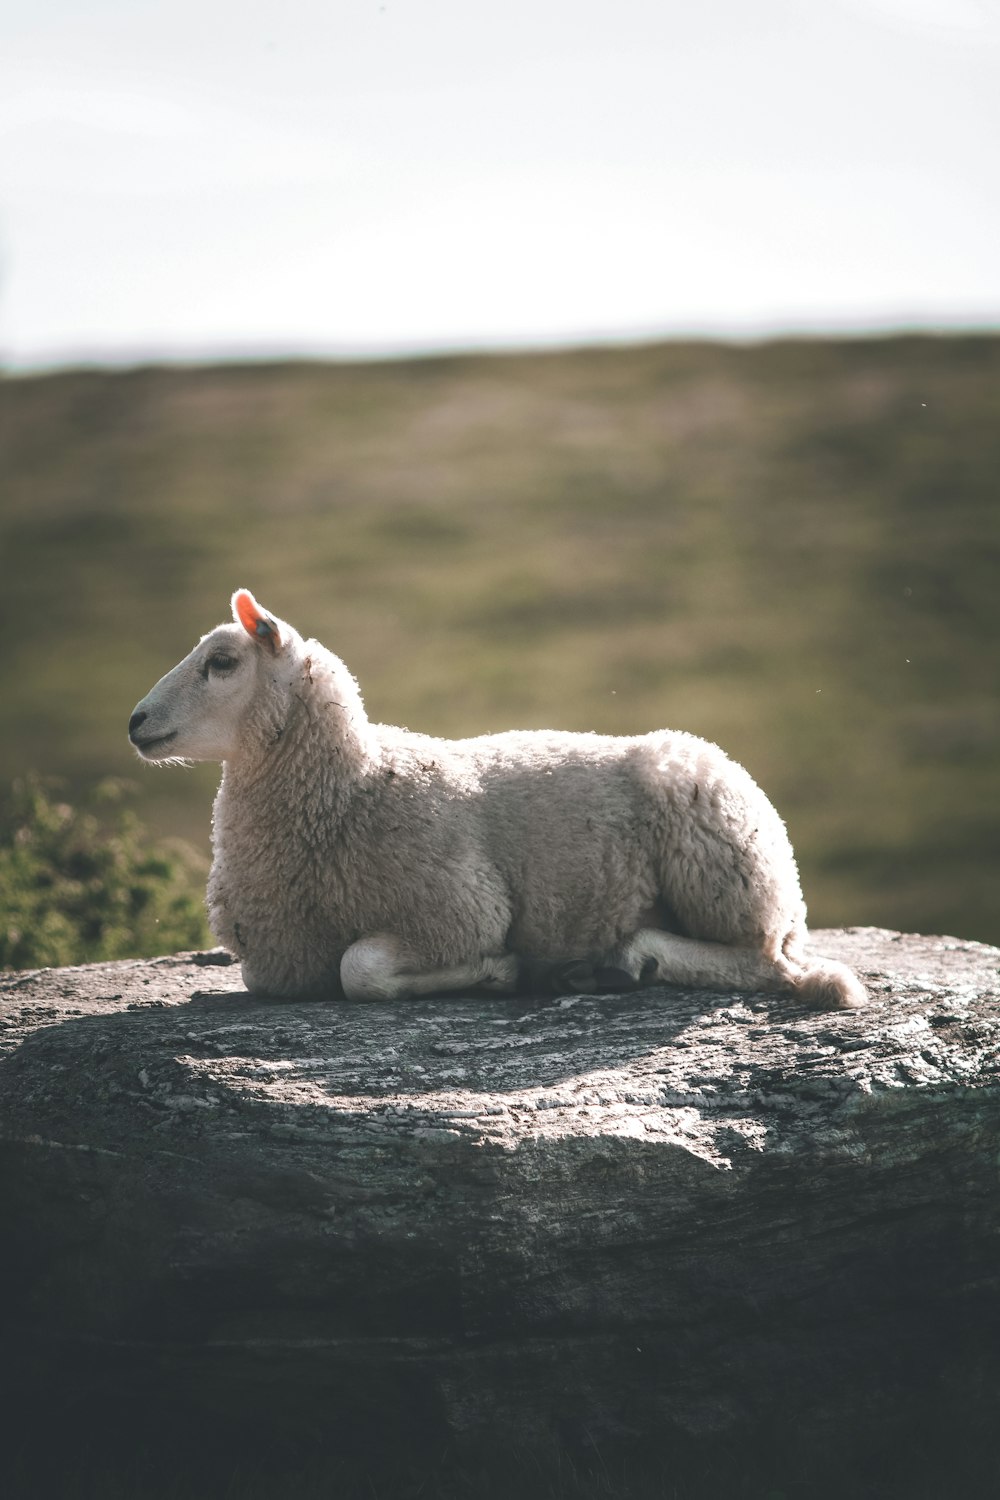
column 718, row 1229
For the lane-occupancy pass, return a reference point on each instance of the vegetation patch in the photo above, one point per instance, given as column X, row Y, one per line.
column 83, row 883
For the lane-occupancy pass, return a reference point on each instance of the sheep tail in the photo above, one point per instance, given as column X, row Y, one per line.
column 822, row 983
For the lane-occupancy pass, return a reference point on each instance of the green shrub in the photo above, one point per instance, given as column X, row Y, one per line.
column 86, row 883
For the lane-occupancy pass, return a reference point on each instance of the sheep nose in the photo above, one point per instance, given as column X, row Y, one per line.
column 133, row 724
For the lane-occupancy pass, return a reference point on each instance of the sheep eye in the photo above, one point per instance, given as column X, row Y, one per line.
column 220, row 662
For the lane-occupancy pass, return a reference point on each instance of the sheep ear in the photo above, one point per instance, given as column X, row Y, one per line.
column 256, row 621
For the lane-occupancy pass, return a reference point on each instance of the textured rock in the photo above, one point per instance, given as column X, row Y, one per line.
column 673, row 1218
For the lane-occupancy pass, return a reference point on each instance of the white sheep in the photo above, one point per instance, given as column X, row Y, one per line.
column 360, row 859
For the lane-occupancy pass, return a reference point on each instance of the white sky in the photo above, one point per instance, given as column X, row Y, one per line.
column 195, row 177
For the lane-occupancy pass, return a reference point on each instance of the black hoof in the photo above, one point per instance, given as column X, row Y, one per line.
column 575, row 978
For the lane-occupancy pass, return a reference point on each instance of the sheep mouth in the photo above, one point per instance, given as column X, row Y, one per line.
column 148, row 747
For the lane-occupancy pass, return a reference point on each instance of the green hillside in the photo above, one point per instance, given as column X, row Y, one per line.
column 790, row 548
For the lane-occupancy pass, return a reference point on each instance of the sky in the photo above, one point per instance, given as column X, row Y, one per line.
column 204, row 178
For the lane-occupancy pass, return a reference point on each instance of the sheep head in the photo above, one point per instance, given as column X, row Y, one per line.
column 228, row 697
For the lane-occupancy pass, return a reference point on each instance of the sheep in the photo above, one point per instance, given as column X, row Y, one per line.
column 364, row 861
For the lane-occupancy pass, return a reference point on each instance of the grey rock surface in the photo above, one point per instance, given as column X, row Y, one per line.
column 671, row 1217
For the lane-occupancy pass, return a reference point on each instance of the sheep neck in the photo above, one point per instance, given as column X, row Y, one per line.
column 313, row 754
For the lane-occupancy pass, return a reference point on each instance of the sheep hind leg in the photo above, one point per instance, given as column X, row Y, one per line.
column 655, row 957
column 381, row 967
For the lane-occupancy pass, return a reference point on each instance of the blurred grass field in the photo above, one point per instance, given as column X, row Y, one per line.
column 790, row 548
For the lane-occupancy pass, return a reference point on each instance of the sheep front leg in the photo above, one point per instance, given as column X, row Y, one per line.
column 381, row 967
